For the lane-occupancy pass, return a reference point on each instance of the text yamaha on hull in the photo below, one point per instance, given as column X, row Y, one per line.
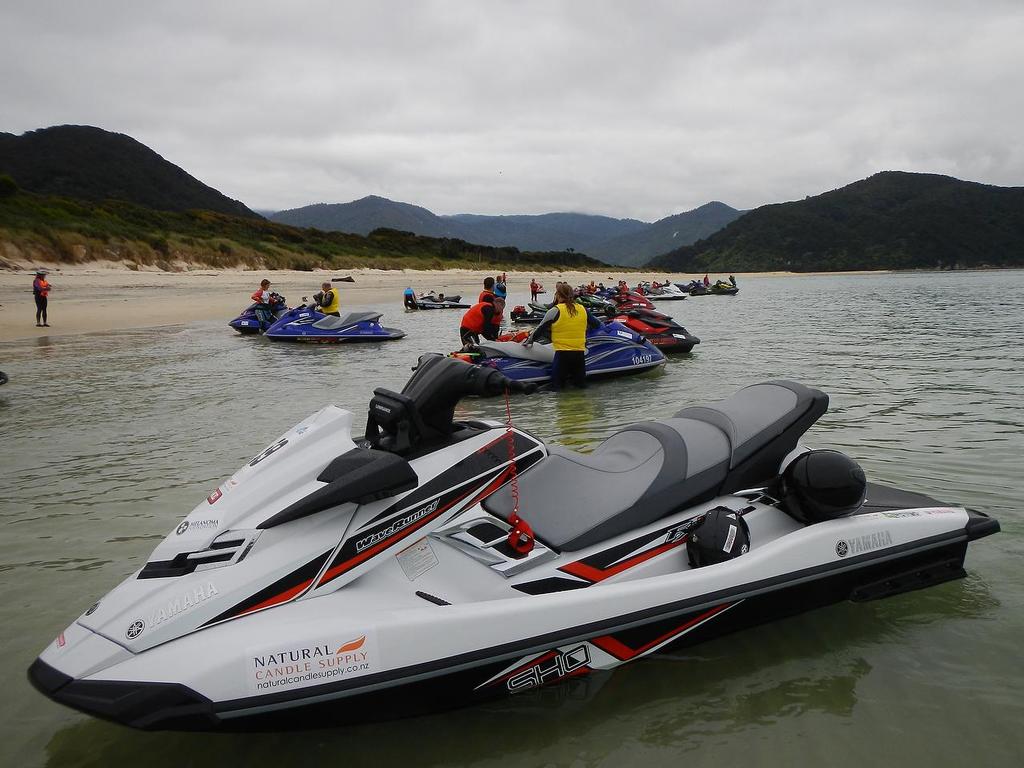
column 361, row 580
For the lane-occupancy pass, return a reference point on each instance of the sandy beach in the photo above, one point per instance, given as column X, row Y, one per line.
column 106, row 296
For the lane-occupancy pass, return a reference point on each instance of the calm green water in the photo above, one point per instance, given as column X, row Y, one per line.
column 108, row 439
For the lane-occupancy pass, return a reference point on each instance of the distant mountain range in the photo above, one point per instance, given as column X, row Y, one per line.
column 892, row 220
column 615, row 241
column 639, row 247
column 80, row 161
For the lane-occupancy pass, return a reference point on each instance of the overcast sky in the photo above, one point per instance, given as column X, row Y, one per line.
column 638, row 109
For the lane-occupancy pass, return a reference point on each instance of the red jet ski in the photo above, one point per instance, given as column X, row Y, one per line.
column 631, row 300
column 659, row 329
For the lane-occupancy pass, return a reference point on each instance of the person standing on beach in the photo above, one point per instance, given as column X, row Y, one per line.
column 534, row 287
column 41, row 291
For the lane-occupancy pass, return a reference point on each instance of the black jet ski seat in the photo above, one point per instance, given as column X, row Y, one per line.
column 332, row 323
column 651, row 469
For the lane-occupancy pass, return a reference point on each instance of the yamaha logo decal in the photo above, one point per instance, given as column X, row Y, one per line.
column 182, row 528
column 135, row 629
column 842, row 548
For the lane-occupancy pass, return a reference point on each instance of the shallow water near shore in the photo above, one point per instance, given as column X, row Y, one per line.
column 109, row 439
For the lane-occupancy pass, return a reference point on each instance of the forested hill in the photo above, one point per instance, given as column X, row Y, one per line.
column 45, row 228
column 681, row 229
column 892, row 220
column 87, row 163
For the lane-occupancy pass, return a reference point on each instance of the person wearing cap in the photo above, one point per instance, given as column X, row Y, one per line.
column 41, row 291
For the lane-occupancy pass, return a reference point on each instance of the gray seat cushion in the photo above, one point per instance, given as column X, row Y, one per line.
column 763, row 423
column 651, row 469
column 331, row 323
column 541, row 353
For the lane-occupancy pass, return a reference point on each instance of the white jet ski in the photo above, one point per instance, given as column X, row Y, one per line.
column 334, row 579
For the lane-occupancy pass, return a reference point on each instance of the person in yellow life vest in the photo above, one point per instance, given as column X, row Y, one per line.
column 566, row 323
column 328, row 301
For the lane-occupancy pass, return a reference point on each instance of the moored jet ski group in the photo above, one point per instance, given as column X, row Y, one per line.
column 626, row 333
column 427, row 562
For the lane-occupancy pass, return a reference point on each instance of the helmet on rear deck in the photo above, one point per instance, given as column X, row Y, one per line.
column 822, row 485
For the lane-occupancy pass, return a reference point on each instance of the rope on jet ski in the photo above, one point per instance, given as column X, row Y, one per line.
column 520, row 536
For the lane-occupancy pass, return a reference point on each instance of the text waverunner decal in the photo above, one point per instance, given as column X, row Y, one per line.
column 396, row 526
column 276, row 668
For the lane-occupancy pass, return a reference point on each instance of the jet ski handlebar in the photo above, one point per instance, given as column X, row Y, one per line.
column 424, row 411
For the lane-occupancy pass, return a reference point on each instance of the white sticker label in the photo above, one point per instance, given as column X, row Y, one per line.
column 625, row 334
column 730, row 539
column 417, row 559
column 288, row 667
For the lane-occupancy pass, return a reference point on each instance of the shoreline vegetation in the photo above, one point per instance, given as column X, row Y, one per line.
column 44, row 228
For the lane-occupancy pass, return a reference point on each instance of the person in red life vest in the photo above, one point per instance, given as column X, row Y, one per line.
column 499, row 312
column 706, row 281
column 534, row 288
column 478, row 321
column 488, row 289
column 498, row 304
column 41, row 291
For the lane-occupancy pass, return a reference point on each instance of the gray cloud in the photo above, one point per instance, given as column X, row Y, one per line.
column 631, row 109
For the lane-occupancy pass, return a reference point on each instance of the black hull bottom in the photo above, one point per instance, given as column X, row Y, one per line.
column 175, row 707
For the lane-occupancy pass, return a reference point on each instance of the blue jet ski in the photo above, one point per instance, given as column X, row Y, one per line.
column 612, row 350
column 251, row 321
column 309, row 325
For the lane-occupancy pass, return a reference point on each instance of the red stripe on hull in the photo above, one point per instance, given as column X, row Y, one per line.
column 592, row 574
column 623, row 652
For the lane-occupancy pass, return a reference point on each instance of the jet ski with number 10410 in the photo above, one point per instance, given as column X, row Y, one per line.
column 612, row 350
column 339, row 577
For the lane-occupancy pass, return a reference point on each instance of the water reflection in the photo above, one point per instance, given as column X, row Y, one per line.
column 923, row 374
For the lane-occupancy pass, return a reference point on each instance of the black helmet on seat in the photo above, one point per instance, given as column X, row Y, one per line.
column 822, row 485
